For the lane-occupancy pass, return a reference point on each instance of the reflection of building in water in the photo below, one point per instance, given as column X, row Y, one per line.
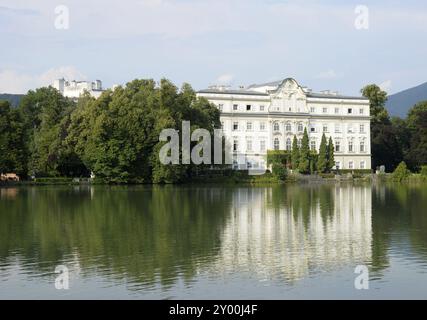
column 310, row 230
column 8, row 193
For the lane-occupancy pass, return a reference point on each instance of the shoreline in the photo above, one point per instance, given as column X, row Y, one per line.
column 266, row 179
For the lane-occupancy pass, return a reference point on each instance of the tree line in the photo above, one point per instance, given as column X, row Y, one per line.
column 115, row 136
column 393, row 139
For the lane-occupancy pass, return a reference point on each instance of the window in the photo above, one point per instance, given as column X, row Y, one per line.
column 362, row 128
column 350, row 129
column 337, row 146
column 313, row 145
column 362, row 164
column 312, row 109
column 248, row 145
column 349, row 110
column 288, row 144
column 261, row 108
column 235, row 164
column 362, row 146
column 288, row 127
column 361, row 111
column 249, row 165
column 290, row 109
column 337, row 110
column 325, row 128
column 262, row 126
column 235, row 145
column 262, row 145
column 235, row 126
column 249, row 126
column 276, row 126
column 299, row 143
column 325, row 110
column 350, row 165
column 313, row 129
column 276, row 144
column 337, row 165
column 350, row 146
column 222, row 124
column 220, row 106
column 248, row 107
column 235, row 107
column 337, row 128
column 300, row 127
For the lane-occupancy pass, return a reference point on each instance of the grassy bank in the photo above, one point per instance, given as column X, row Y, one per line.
column 242, row 177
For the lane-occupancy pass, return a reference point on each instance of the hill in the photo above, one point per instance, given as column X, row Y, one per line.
column 399, row 103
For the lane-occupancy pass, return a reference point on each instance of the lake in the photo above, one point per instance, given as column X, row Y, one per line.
column 214, row 242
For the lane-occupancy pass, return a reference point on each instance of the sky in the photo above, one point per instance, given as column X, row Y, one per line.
column 331, row 44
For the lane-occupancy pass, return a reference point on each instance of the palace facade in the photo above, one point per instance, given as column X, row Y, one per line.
column 268, row 116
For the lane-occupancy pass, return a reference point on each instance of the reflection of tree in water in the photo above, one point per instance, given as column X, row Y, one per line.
column 400, row 209
column 147, row 234
column 144, row 235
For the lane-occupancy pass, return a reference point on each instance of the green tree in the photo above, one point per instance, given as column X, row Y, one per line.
column 43, row 112
column 377, row 99
column 304, row 159
column 401, row 172
column 279, row 170
column 314, row 157
column 322, row 162
column 417, row 126
column 384, row 144
column 295, row 154
column 117, row 135
column 330, row 153
column 13, row 155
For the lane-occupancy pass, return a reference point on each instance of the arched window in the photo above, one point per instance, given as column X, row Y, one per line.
column 300, row 127
column 288, row 127
column 276, row 126
column 276, row 144
column 288, row 144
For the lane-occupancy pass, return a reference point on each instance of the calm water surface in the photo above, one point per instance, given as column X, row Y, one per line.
column 187, row 242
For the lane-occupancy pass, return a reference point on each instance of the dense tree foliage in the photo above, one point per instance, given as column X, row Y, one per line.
column 304, row 154
column 12, row 141
column 384, row 143
column 396, row 140
column 322, row 163
column 115, row 136
column 416, row 153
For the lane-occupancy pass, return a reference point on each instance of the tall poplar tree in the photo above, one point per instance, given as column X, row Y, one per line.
column 295, row 154
column 322, row 162
column 304, row 159
column 331, row 157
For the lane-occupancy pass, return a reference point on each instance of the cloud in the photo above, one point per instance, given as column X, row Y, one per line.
column 386, row 86
column 330, row 74
column 13, row 11
column 225, row 79
column 12, row 81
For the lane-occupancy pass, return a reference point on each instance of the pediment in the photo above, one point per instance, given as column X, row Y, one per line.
column 289, row 89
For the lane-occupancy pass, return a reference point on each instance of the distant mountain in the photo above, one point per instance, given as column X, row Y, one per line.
column 399, row 103
column 14, row 99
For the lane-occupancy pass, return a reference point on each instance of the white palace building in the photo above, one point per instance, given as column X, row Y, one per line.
column 267, row 116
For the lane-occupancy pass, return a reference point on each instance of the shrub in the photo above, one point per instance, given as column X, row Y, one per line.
column 401, row 172
column 279, row 171
column 423, row 171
